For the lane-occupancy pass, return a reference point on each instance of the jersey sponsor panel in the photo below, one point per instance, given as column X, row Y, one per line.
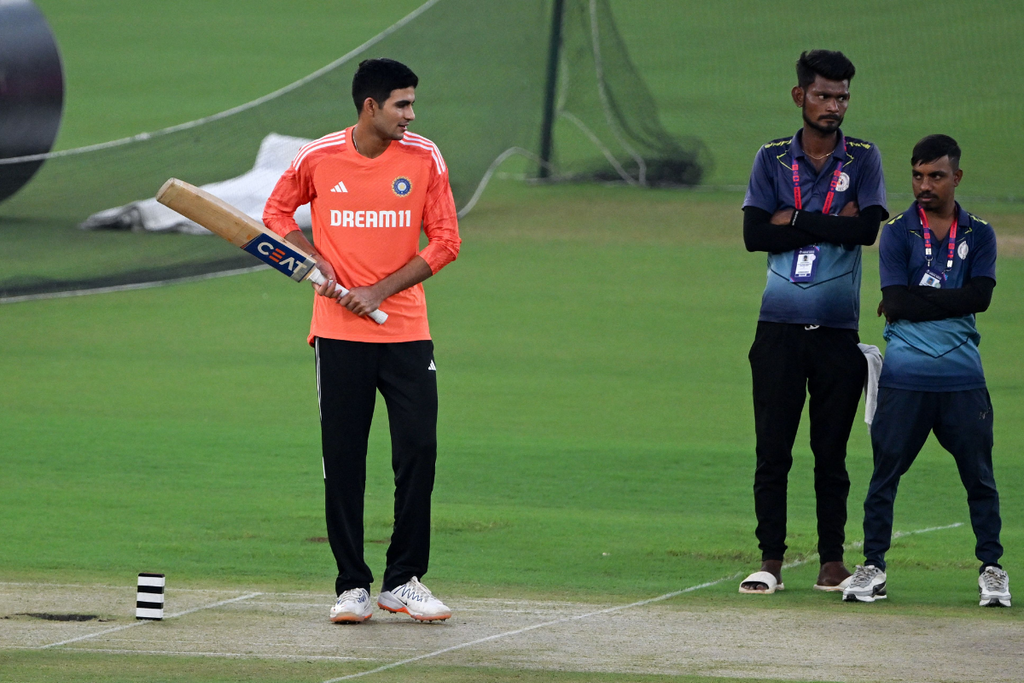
column 371, row 218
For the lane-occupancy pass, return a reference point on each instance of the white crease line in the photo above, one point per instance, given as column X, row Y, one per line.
column 139, row 623
column 506, row 634
column 229, row 655
column 44, row 584
column 608, row 610
column 216, row 604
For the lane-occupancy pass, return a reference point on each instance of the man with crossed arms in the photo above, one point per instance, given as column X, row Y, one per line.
column 813, row 200
column 938, row 267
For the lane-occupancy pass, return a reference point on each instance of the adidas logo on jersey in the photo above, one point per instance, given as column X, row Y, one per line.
column 340, row 187
column 432, row 366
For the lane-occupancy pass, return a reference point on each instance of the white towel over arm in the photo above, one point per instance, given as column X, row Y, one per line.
column 874, row 358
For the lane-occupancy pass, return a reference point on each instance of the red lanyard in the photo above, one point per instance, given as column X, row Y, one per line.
column 798, row 203
column 928, row 239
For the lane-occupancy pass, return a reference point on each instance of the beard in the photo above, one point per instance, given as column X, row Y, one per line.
column 827, row 126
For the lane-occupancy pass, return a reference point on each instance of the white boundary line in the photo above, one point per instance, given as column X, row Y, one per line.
column 235, row 110
column 140, row 623
column 130, row 287
column 608, row 610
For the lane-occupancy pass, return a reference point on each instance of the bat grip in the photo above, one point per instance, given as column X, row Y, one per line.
column 317, row 278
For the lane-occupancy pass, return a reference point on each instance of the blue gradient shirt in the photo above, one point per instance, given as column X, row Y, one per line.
column 935, row 355
column 832, row 299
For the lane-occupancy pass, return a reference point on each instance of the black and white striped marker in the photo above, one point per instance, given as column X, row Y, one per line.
column 149, row 601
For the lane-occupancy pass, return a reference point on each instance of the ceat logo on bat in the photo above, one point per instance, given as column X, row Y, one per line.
column 276, row 255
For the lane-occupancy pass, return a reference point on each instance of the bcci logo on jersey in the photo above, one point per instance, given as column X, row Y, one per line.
column 401, row 186
column 843, row 183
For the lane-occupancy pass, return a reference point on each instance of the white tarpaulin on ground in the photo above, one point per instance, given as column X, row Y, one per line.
column 247, row 192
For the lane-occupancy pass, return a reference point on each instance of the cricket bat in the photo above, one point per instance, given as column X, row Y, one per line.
column 243, row 231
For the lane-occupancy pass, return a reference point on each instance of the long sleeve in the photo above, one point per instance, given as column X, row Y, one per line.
column 290, row 192
column 862, row 229
column 440, row 224
column 760, row 234
column 918, row 304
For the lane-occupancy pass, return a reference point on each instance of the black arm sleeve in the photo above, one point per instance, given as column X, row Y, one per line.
column 918, row 303
column 760, row 234
column 862, row 229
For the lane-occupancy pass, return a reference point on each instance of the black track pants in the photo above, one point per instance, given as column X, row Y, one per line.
column 348, row 376
column 787, row 362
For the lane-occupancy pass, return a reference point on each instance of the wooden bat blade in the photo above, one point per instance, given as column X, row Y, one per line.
column 222, row 219
column 243, row 231
column 209, row 211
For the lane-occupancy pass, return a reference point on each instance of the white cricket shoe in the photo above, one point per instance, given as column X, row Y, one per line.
column 416, row 600
column 352, row 607
column 994, row 588
column 866, row 585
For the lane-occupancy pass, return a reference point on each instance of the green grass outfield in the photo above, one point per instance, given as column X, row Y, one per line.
column 596, row 432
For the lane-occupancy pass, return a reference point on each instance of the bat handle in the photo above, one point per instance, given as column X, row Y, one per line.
column 317, row 278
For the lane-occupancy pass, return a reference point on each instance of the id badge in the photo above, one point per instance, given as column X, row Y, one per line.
column 932, row 279
column 805, row 264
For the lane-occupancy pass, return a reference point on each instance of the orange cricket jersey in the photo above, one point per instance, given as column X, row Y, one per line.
column 367, row 215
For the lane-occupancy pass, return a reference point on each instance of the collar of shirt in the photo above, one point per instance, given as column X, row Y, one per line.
column 796, row 151
column 963, row 219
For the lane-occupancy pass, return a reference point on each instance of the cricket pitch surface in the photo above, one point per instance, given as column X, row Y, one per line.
column 660, row 636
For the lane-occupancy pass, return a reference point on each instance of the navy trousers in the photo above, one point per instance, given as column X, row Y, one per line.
column 962, row 423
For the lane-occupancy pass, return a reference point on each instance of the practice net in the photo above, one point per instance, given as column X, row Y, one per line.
column 483, row 71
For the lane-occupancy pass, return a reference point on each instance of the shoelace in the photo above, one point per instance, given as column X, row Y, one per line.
column 355, row 594
column 862, row 576
column 415, row 590
column 994, row 581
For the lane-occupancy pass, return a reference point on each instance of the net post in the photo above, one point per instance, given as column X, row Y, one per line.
column 549, row 90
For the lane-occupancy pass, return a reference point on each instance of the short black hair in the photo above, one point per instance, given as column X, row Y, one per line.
column 934, row 147
column 376, row 78
column 832, row 65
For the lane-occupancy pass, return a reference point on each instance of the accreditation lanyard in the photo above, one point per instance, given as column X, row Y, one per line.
column 928, row 240
column 798, row 201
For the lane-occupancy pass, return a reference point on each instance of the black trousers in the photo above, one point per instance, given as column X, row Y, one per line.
column 787, row 362
column 349, row 374
column 962, row 423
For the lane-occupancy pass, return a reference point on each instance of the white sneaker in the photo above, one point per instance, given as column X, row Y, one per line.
column 866, row 585
column 994, row 588
column 352, row 607
column 416, row 600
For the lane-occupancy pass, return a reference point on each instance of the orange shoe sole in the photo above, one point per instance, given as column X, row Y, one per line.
column 405, row 610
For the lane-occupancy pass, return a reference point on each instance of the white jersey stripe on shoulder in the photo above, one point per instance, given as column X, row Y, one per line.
column 326, row 141
column 312, row 143
column 302, row 157
column 434, row 152
column 413, row 137
column 430, row 148
column 421, row 141
column 316, row 145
